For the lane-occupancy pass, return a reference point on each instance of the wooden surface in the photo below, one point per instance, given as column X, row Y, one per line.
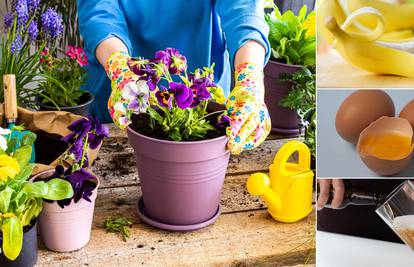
column 244, row 235
column 333, row 72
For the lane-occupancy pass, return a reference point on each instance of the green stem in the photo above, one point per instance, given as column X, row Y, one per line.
column 85, row 146
column 215, row 112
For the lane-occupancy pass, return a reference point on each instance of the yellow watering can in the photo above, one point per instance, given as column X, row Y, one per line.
column 288, row 192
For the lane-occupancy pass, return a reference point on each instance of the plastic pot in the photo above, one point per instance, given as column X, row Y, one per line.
column 67, row 229
column 284, row 120
column 82, row 109
column 181, row 181
column 28, row 254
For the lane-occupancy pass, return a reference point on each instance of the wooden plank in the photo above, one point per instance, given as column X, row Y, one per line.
column 334, row 72
column 236, row 239
column 122, row 201
column 115, row 165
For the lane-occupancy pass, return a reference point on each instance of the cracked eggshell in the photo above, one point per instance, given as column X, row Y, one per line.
column 359, row 109
column 408, row 112
column 386, row 125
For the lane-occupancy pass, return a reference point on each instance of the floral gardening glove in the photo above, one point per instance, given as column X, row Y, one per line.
column 129, row 94
column 249, row 117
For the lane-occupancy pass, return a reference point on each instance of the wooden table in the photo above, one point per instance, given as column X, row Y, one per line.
column 333, row 72
column 244, row 234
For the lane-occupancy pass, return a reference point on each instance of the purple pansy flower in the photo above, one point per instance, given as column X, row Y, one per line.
column 52, row 23
column 178, row 61
column 17, row 44
column 22, row 12
column 8, row 20
column 100, row 133
column 200, row 93
column 182, row 94
column 83, row 183
column 136, row 65
column 163, row 57
column 33, row 30
column 81, row 128
column 164, row 97
column 223, row 121
column 77, row 149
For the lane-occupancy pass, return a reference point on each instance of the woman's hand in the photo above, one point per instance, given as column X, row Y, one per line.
column 249, row 117
column 125, row 90
column 324, row 192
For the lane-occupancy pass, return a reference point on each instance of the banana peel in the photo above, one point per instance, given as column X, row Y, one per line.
column 371, row 56
column 360, row 31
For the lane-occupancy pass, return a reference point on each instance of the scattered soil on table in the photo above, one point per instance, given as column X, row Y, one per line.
column 141, row 124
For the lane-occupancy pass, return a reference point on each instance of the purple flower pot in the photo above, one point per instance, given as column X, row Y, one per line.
column 284, row 120
column 181, row 181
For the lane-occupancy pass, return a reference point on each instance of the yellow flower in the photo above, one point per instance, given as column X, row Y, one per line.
column 217, row 94
column 9, row 167
column 310, row 25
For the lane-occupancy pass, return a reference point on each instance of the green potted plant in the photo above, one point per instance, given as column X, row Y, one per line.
column 292, row 41
column 302, row 97
column 21, row 199
column 60, row 88
column 26, row 27
column 76, row 211
column 180, row 147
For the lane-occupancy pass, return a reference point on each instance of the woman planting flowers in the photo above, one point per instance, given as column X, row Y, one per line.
column 245, row 49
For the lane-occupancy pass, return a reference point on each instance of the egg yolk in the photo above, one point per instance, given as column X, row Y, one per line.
column 387, row 146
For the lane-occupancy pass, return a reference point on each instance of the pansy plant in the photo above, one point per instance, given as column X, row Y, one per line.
column 175, row 100
column 86, row 133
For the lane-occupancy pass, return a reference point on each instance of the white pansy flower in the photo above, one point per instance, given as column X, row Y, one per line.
column 3, row 140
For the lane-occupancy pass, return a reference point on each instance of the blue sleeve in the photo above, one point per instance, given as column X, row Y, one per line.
column 242, row 21
column 99, row 20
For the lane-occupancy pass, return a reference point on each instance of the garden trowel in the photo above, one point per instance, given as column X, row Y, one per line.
column 10, row 108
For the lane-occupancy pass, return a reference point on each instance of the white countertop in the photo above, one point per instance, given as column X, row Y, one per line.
column 336, row 250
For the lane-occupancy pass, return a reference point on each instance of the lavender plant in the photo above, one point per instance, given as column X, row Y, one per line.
column 26, row 27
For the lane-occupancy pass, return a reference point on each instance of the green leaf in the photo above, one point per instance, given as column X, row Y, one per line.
column 28, row 139
column 5, row 196
column 58, row 189
column 23, row 155
column 36, row 189
column 25, row 172
column 33, row 207
column 12, row 231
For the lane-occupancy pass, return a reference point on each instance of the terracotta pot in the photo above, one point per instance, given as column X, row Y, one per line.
column 181, row 181
column 82, row 109
column 28, row 254
column 67, row 229
column 284, row 121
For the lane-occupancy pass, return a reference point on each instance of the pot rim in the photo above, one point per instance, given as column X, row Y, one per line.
column 132, row 131
column 285, row 64
column 91, row 96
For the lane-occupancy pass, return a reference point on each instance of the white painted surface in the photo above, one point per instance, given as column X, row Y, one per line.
column 336, row 250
